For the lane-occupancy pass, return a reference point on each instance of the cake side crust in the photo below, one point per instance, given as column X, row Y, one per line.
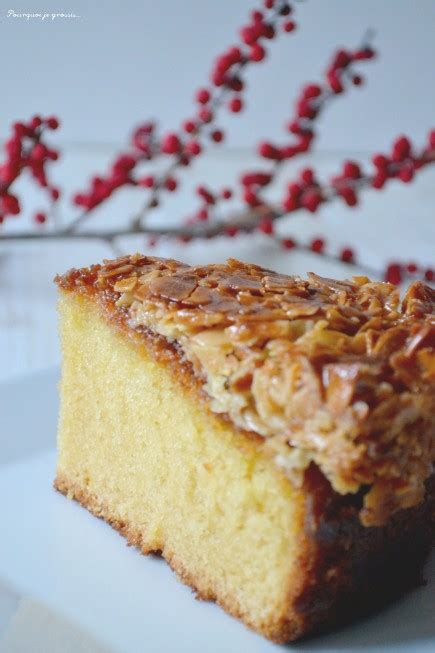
column 287, row 629
column 89, row 440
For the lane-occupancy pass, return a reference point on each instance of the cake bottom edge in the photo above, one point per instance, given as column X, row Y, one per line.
column 282, row 632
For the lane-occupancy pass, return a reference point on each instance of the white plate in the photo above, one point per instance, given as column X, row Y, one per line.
column 53, row 550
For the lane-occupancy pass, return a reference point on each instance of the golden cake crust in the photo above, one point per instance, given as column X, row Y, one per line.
column 346, row 570
column 339, row 373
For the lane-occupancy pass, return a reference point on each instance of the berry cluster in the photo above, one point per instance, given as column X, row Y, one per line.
column 308, row 106
column 401, row 163
column 397, row 272
column 26, row 150
column 188, row 143
column 142, row 148
column 318, row 245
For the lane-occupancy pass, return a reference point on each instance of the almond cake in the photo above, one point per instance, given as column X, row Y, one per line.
column 273, row 437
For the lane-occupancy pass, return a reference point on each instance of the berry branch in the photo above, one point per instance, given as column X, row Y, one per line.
column 310, row 103
column 181, row 147
column 27, row 151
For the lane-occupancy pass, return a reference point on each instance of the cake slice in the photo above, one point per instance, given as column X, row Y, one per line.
column 272, row 437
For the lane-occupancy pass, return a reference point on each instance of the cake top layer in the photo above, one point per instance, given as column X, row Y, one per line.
column 340, row 373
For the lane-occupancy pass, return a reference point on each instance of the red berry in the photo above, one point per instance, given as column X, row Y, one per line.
column 40, row 218
column 53, row 155
column 231, row 231
column 193, row 147
column 184, row 160
column 255, row 179
column 234, row 55
column 147, row 182
column 307, row 176
column 311, row 91
column 257, row 16
column 380, row 161
column 250, row 197
column 205, row 114
column 401, row 149
column 305, row 141
column 294, row 127
column 290, row 204
column 189, row 126
column 140, row 139
column 268, row 31
column 349, row 195
column 411, row 268
column 9, row 172
column 248, row 35
column 205, row 194
column 52, row 122
column 202, row 96
column 347, row 255
column 202, row 215
column 288, row 152
column 170, row 144
column 226, row 194
column 334, row 83
column 288, row 243
column 235, row 84
column 393, row 274
column 429, row 275
column 378, row 181
column 55, row 194
column 265, row 225
column 257, row 52
column 351, row 170
column 341, row 59
column 170, row 184
column 294, row 189
column 235, row 104
column 305, row 110
column 357, row 80
column 13, row 148
column 406, row 174
column 288, row 26
column 10, row 205
column 218, row 78
column 123, row 165
column 35, row 122
column 20, row 129
column 268, row 151
column 364, row 53
column 311, row 200
column 217, row 135
column 269, row 3
column 317, row 245
column 39, row 152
